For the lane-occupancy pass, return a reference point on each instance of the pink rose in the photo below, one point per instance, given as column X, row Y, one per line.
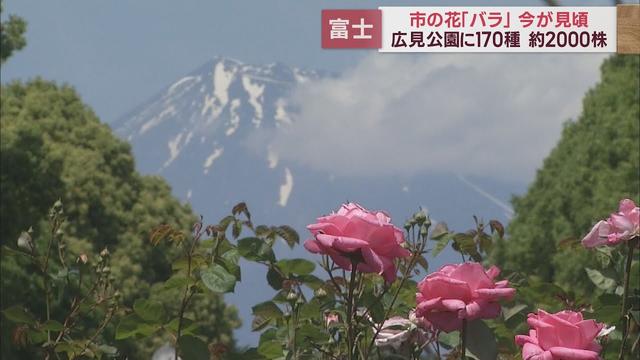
column 462, row 291
column 356, row 233
column 621, row 226
column 563, row 335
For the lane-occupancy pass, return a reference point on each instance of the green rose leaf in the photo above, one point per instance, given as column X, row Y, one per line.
column 600, row 280
column 439, row 231
column 270, row 349
column 508, row 313
column 230, row 260
column 480, row 341
column 307, row 333
column 133, row 325
column 19, row 315
column 288, row 234
column 268, row 309
column 296, row 266
column 148, row 310
column 193, row 348
column 51, row 325
column 255, row 249
column 443, row 241
column 217, row 279
column 274, row 278
column 178, row 280
column 259, row 322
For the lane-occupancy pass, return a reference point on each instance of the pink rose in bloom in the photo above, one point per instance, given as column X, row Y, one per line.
column 355, row 232
column 462, row 291
column 621, row 226
column 560, row 336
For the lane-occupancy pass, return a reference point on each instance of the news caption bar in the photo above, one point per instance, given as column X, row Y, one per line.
column 478, row 29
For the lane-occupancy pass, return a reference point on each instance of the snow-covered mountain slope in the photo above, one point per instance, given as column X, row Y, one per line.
column 195, row 133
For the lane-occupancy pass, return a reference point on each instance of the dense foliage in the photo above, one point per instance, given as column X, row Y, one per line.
column 595, row 163
column 54, row 147
column 11, row 35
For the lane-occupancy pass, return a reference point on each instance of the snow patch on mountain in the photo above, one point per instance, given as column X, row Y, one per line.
column 254, row 90
column 174, row 149
column 168, row 111
column 281, row 115
column 300, row 76
column 222, row 79
column 272, row 158
column 234, row 118
column 209, row 161
column 187, row 80
column 285, row 188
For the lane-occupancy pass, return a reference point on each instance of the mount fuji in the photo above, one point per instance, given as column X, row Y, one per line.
column 196, row 134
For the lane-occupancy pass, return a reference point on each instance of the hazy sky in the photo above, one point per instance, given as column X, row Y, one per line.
column 120, row 53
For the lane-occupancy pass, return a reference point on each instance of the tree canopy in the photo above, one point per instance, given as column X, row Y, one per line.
column 11, row 35
column 54, row 147
column 594, row 165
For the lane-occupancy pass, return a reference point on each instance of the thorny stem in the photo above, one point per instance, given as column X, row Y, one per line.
column 405, row 275
column 295, row 308
column 335, row 283
column 44, row 268
column 623, row 312
column 188, row 291
column 463, row 339
column 104, row 324
column 350, row 339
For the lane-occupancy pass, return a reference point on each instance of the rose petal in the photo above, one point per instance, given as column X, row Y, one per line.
column 445, row 321
column 312, row 246
column 473, row 274
column 597, row 236
column 373, row 261
column 325, row 228
column 573, row 354
column 445, row 287
column 529, row 350
column 589, row 329
column 626, row 206
column 621, row 222
column 495, row 294
column 481, row 310
column 493, row 272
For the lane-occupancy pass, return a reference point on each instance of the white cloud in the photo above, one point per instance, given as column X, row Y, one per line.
column 473, row 114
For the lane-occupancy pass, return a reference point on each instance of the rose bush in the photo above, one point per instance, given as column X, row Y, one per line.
column 368, row 306
column 457, row 292
column 559, row 336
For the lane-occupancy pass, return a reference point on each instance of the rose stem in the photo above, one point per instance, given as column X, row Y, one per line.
column 623, row 312
column 350, row 345
column 463, row 338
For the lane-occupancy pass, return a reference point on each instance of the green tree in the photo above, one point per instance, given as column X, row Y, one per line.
column 54, row 147
column 594, row 165
column 11, row 35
